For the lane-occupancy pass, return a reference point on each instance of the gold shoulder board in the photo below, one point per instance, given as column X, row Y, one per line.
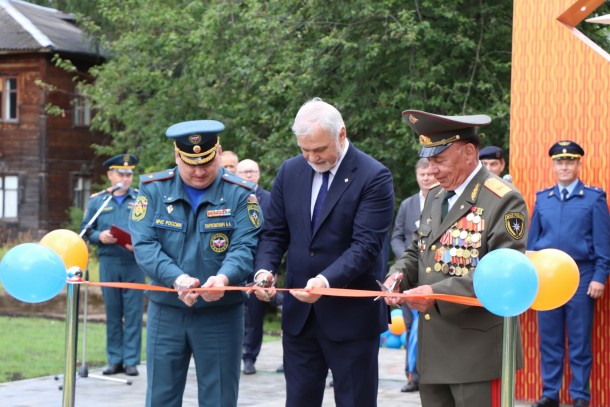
column 497, row 187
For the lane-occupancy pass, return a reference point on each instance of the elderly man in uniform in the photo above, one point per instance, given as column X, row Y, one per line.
column 470, row 213
column 124, row 308
column 190, row 224
column 572, row 217
column 493, row 158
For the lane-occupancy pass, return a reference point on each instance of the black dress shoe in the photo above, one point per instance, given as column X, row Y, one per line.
column 581, row 403
column 131, row 371
column 546, row 402
column 113, row 369
column 410, row 387
column 249, row 367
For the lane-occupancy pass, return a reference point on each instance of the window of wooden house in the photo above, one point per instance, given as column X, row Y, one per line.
column 81, row 190
column 81, row 113
column 9, row 196
column 8, row 99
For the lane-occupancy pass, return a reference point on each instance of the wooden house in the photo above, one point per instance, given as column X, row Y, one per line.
column 47, row 164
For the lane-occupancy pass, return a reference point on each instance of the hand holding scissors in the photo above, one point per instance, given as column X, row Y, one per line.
column 390, row 284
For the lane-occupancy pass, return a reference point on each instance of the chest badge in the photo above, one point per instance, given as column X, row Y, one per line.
column 219, row 242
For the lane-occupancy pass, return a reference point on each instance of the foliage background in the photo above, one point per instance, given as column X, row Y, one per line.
column 252, row 63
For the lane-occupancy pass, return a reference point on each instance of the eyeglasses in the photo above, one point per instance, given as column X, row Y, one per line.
column 248, row 172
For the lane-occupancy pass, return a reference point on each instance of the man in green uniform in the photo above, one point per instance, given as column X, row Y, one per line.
column 196, row 223
column 470, row 213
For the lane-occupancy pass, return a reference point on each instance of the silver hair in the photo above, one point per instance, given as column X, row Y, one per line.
column 317, row 112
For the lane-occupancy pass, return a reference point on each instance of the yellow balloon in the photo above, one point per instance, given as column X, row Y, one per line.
column 558, row 278
column 397, row 326
column 69, row 246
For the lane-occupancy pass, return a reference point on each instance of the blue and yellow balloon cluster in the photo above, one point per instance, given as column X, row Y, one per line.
column 508, row 282
column 36, row 272
column 396, row 335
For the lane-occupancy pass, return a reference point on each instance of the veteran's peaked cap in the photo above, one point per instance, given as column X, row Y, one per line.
column 436, row 132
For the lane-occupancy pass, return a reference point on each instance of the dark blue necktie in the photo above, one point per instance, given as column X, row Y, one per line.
column 564, row 194
column 320, row 199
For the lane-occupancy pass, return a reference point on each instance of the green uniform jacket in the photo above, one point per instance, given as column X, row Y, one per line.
column 218, row 237
column 459, row 343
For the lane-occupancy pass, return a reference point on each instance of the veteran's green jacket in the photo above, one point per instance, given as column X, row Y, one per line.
column 459, row 343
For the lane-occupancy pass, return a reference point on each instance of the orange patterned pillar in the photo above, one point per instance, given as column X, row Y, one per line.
column 560, row 89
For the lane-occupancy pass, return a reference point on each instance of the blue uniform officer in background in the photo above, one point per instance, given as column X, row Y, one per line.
column 195, row 224
column 572, row 217
column 124, row 307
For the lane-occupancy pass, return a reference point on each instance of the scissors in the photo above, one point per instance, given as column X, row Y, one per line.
column 263, row 284
column 389, row 289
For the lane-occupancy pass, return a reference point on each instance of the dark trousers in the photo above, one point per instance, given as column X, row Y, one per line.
column 124, row 309
column 574, row 320
column 309, row 355
column 253, row 329
column 477, row 394
column 212, row 336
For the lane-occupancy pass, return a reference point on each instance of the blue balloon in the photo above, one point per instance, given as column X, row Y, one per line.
column 506, row 282
column 393, row 341
column 32, row 273
column 396, row 312
column 403, row 338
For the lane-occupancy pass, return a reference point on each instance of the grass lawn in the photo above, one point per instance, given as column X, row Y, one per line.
column 34, row 347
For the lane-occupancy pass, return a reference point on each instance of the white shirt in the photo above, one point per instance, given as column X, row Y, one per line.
column 459, row 190
column 317, row 178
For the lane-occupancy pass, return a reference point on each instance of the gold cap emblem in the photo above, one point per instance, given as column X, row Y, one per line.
column 195, row 139
column 413, row 119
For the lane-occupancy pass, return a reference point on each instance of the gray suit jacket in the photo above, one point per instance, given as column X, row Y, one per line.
column 406, row 223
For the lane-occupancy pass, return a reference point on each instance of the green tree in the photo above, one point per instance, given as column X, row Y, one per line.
column 251, row 64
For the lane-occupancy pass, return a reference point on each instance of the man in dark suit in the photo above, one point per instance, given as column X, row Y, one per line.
column 338, row 243
column 407, row 222
column 470, row 213
column 255, row 309
column 407, row 219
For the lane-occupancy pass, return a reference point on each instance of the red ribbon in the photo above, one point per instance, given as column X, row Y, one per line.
column 335, row 292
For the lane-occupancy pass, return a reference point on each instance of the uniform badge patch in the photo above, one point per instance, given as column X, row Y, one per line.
column 219, row 242
column 139, row 209
column 254, row 211
column 515, row 224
